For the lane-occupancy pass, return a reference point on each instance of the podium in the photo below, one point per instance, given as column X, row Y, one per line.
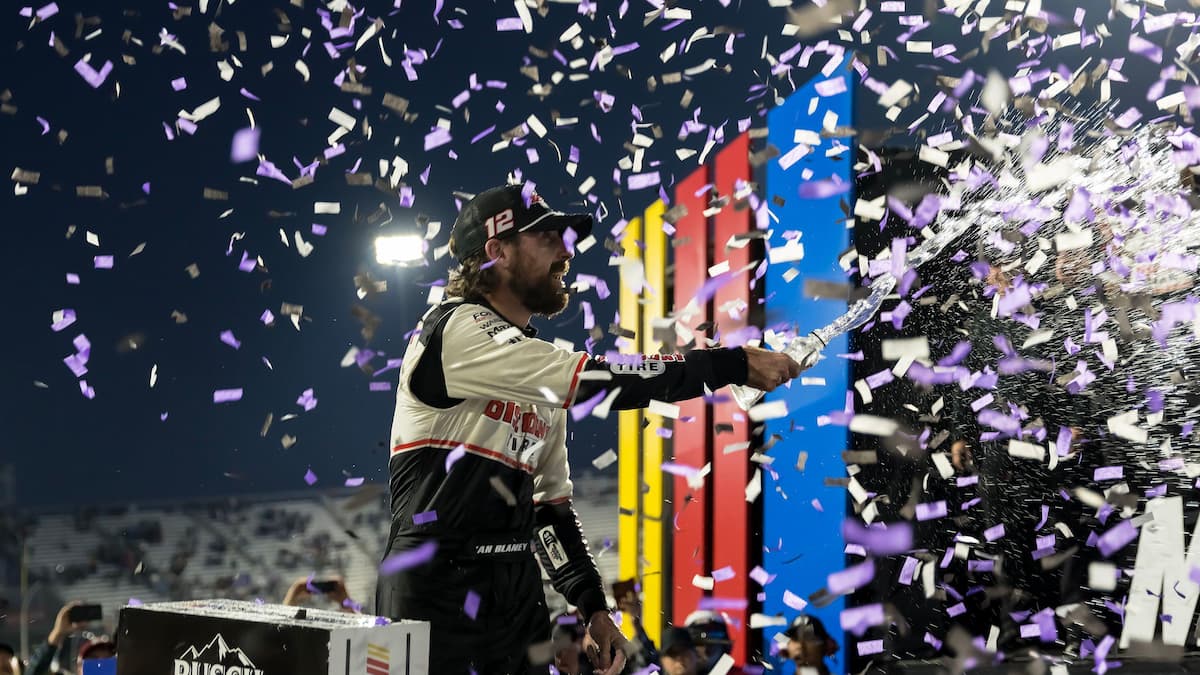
column 232, row 637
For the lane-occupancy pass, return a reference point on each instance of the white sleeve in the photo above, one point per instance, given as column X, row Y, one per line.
column 485, row 356
column 552, row 477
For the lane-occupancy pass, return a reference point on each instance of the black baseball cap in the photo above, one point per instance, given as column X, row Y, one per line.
column 708, row 628
column 502, row 212
column 805, row 627
column 677, row 639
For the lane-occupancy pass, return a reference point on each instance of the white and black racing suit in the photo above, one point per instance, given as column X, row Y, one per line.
column 479, row 466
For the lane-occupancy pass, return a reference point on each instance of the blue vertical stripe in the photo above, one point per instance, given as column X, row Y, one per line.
column 812, row 545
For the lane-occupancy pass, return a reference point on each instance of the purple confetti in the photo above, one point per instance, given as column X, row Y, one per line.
column 91, row 75
column 869, row 646
column 471, row 605
column 307, row 400
column 436, row 138
column 245, row 145
column 823, row 189
column 858, row 619
column 794, row 601
column 877, row 540
column 718, row 604
column 455, row 455
column 1116, row 538
column 310, row 477
column 759, row 575
column 931, row 510
column 66, row 318
column 227, row 395
column 424, row 517
column 724, row 574
column 398, row 562
column 851, row 578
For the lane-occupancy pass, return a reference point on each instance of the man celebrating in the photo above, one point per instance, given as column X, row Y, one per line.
column 478, row 466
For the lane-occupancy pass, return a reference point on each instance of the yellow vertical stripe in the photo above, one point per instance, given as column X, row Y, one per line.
column 653, row 307
column 629, row 423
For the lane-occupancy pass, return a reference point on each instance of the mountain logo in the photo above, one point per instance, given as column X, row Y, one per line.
column 216, row 658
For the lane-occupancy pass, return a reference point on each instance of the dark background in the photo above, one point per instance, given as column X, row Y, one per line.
column 69, row 449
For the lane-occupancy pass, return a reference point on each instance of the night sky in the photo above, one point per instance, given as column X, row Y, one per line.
column 455, row 68
column 133, row 441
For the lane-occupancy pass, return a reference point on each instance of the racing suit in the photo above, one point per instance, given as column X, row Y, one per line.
column 479, row 467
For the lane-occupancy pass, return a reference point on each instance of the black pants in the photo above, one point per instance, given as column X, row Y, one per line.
column 511, row 615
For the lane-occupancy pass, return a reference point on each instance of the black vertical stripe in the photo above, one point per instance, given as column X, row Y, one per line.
column 407, row 652
column 347, row 656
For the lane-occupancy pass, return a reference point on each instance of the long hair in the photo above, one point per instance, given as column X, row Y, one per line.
column 472, row 279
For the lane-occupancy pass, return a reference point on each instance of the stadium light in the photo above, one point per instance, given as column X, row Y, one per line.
column 399, row 250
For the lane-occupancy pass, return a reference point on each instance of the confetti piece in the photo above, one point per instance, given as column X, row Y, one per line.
column 768, row 411
column 605, row 460
column 307, row 400
column 873, row 425
column 471, row 604
column 1026, row 450
column 794, row 601
column 398, row 562
column 93, row 77
column 245, row 145
column 851, row 578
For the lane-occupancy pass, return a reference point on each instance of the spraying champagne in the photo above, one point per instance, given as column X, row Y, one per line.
column 806, row 350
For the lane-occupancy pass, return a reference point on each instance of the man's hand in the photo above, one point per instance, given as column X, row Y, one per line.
column 604, row 644
column 63, row 626
column 767, row 370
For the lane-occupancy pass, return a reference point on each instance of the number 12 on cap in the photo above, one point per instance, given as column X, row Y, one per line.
column 499, row 223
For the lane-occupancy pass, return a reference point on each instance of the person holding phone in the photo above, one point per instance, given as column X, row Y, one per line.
column 332, row 588
column 478, row 466
column 72, row 618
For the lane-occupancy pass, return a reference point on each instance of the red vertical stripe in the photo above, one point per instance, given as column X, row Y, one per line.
column 689, row 527
column 731, row 471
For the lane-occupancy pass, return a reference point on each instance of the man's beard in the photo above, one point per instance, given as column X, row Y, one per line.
column 540, row 292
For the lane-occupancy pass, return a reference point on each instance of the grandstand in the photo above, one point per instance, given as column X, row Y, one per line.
column 248, row 547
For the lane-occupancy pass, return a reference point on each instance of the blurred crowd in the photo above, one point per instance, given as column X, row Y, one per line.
column 699, row 647
column 251, row 551
column 189, row 565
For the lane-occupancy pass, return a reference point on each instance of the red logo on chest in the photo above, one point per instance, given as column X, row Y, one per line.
column 522, row 422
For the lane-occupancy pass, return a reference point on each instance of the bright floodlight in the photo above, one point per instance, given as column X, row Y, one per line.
column 399, row 249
